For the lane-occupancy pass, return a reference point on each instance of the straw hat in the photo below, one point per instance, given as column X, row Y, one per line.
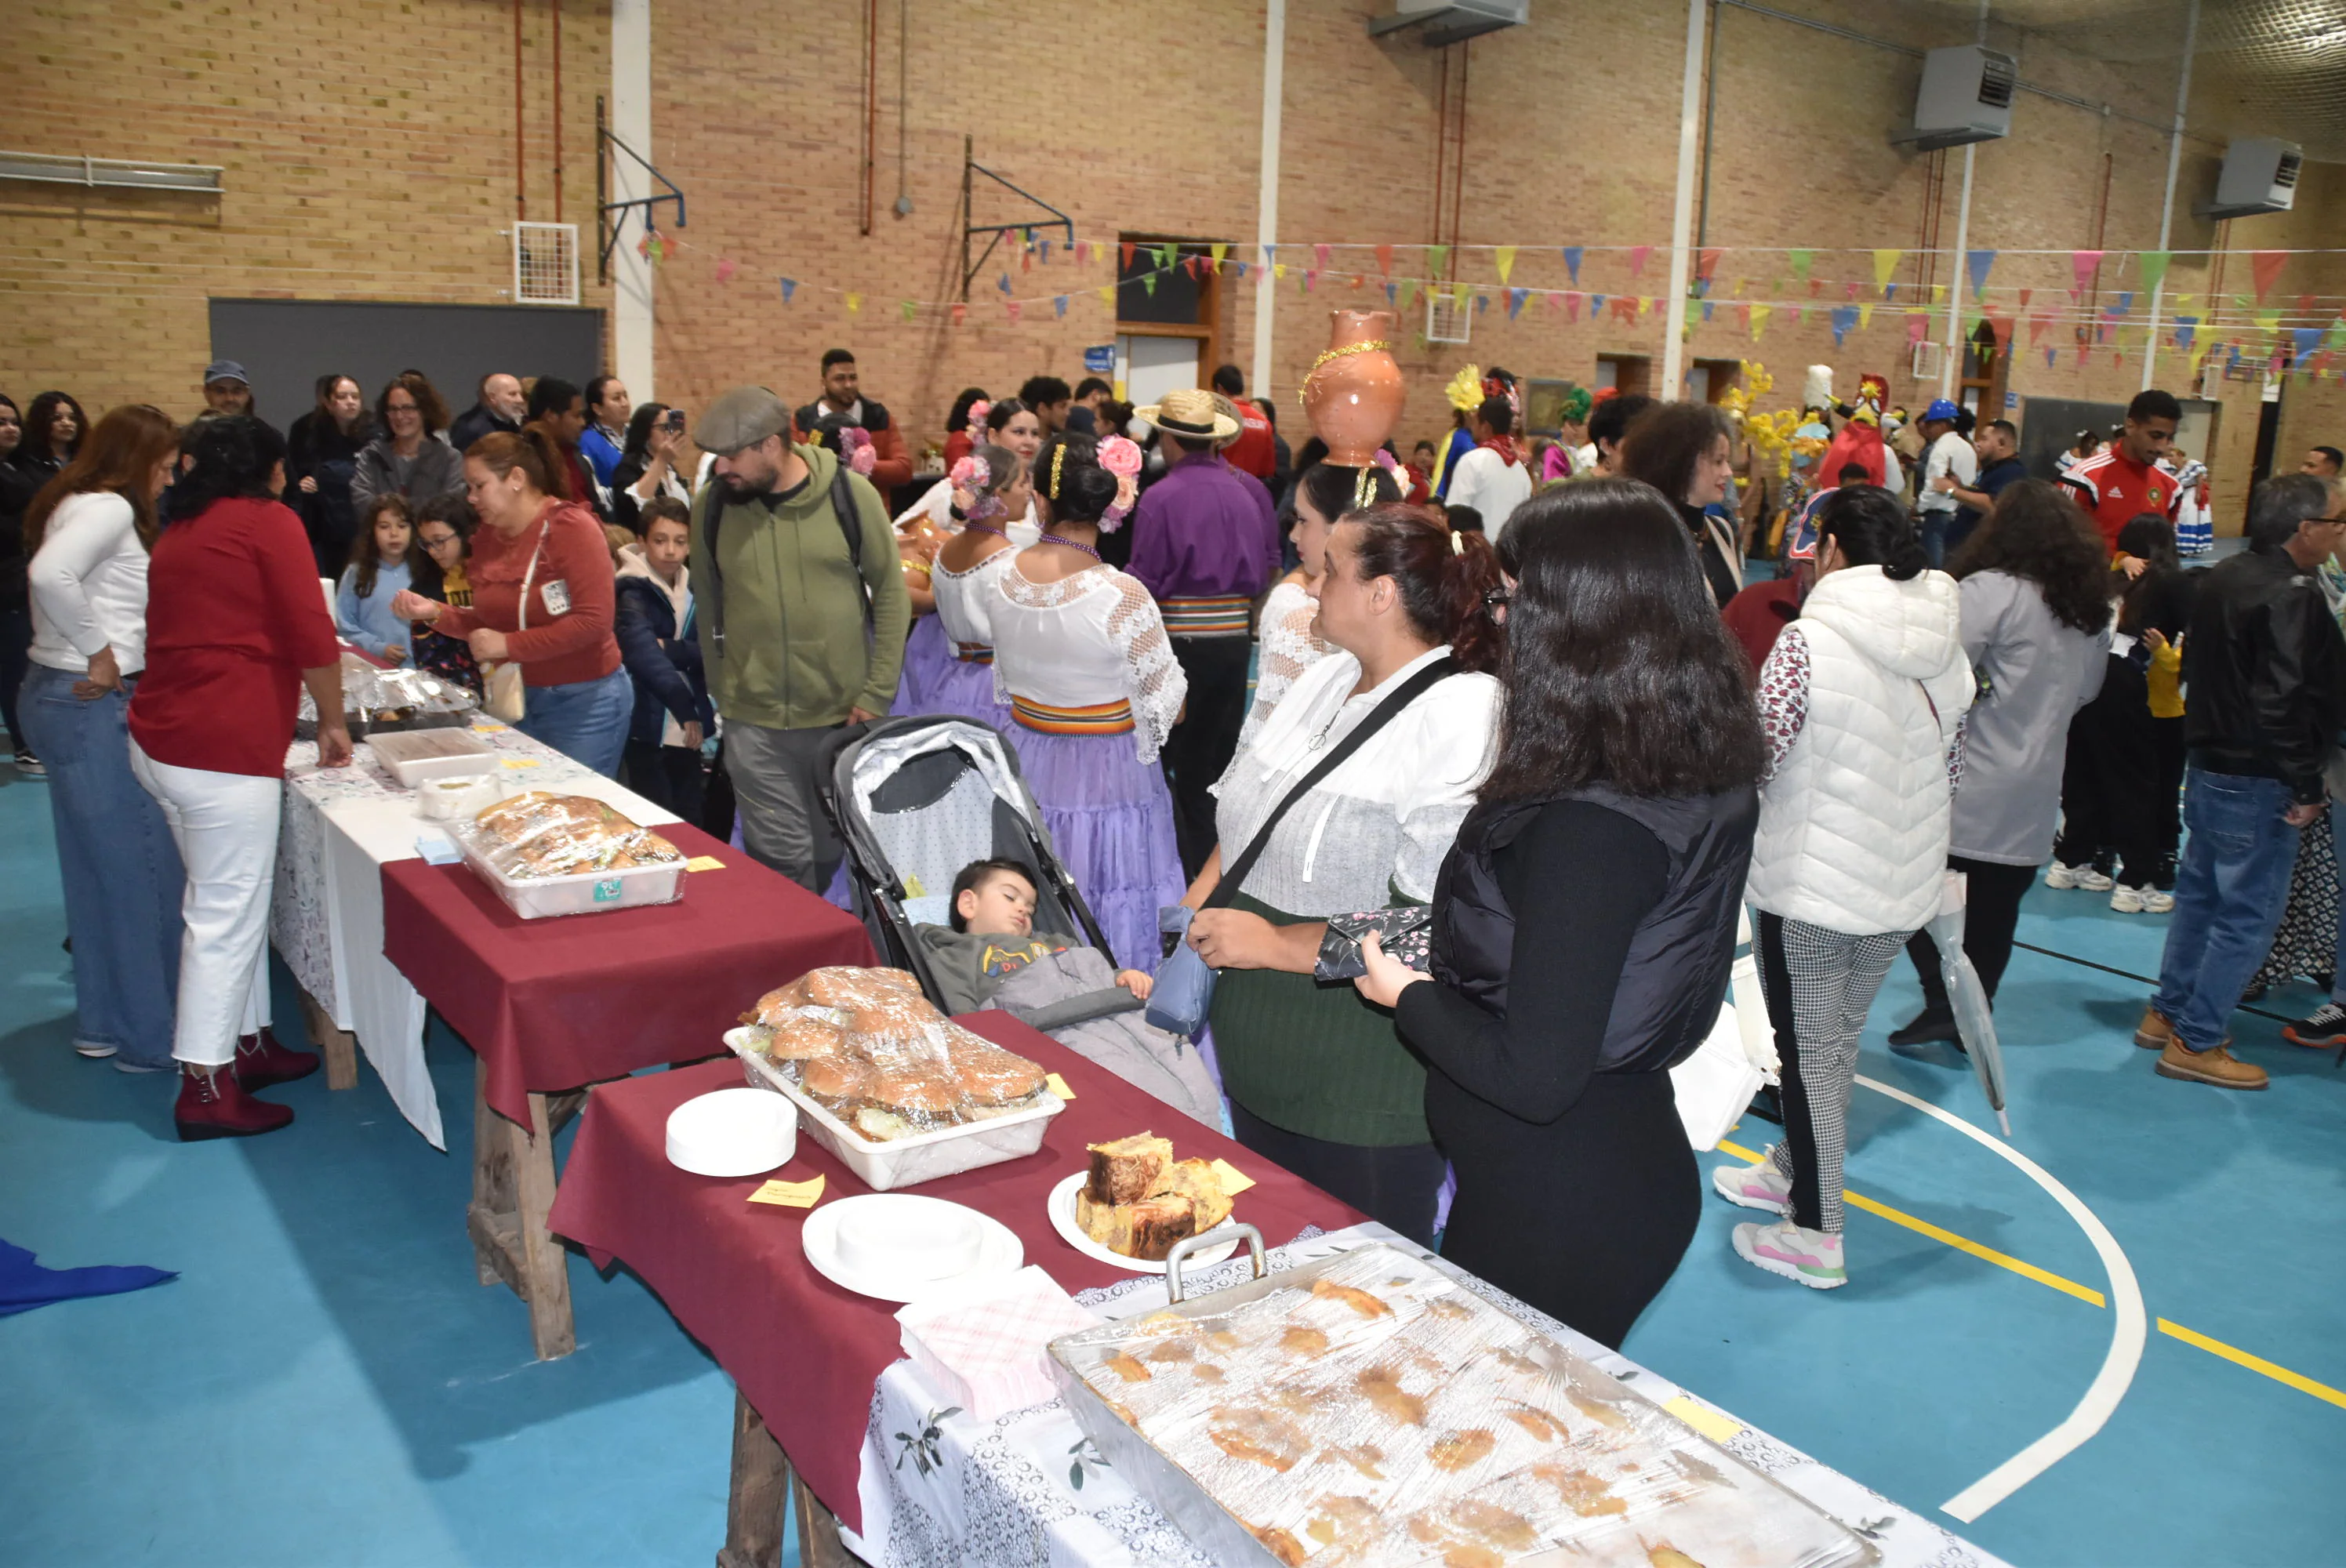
column 1191, row 414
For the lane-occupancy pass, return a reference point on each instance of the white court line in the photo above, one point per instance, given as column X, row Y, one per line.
column 2109, row 1385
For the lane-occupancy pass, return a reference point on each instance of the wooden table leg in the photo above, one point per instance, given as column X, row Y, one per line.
column 513, row 1192
column 339, row 1046
column 762, row 1479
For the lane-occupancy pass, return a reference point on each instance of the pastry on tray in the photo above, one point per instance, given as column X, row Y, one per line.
column 539, row 834
column 1138, row 1201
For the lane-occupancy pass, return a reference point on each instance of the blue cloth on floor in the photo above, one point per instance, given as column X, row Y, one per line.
column 25, row 1284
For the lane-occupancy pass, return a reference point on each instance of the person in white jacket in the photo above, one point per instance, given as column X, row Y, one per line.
column 1863, row 702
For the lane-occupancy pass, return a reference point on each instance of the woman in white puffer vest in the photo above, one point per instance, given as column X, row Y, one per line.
column 1863, row 702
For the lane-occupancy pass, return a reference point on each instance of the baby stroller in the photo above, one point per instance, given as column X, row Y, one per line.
column 915, row 799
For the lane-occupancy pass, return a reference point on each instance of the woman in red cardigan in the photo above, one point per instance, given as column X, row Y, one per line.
column 542, row 597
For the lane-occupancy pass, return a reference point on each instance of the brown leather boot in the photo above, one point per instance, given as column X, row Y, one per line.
column 2219, row 1067
column 2154, row 1033
column 261, row 1061
column 214, row 1104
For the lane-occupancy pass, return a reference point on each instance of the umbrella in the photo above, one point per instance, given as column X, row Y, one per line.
column 1973, row 1020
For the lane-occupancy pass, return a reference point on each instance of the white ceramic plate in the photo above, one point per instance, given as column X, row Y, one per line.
column 733, row 1133
column 1062, row 1219
column 999, row 1251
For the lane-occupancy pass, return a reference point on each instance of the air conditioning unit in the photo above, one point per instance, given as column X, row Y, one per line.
column 545, row 263
column 1448, row 22
column 1966, row 97
column 1447, row 319
column 1927, row 361
column 2259, row 175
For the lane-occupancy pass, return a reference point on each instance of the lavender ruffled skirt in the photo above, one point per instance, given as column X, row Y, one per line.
column 1111, row 823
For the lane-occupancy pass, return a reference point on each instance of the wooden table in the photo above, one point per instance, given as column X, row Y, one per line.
column 551, row 1006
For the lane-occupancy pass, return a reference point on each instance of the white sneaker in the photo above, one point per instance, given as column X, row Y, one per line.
column 2092, row 880
column 2057, row 875
column 1762, row 1186
column 2155, row 901
column 2126, row 900
column 1809, row 1257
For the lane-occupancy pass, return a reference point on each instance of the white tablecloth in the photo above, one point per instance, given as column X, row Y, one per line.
column 340, row 827
column 1027, row 1491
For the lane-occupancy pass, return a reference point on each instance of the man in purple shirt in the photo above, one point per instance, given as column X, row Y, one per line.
column 1205, row 544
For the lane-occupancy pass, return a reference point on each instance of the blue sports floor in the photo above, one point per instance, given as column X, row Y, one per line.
column 327, row 1383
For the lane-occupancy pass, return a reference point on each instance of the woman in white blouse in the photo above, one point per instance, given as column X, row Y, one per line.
column 1287, row 627
column 991, row 486
column 1317, row 1079
column 1009, row 425
column 1081, row 657
column 89, row 533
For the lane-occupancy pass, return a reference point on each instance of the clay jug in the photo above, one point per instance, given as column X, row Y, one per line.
column 1353, row 393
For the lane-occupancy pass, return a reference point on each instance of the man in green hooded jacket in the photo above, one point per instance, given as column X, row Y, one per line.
column 803, row 622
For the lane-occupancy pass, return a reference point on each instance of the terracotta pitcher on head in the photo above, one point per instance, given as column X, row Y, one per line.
column 1353, row 393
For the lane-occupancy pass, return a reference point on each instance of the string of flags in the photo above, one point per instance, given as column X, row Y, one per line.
column 2305, row 335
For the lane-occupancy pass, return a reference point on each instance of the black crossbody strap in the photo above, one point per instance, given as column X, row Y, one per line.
column 851, row 527
column 1408, row 692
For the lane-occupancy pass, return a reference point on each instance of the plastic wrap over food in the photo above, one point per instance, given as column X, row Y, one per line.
column 543, row 835
column 867, row 1046
column 1377, row 1412
column 383, row 697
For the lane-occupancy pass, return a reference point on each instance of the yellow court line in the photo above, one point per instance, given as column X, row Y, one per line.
column 2232, row 1353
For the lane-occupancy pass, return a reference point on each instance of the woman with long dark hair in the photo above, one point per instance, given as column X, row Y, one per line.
column 959, row 439
column 2036, row 629
column 1286, row 624
column 1861, row 700
column 235, row 630
column 87, row 533
column 1686, row 451
column 1585, row 920
column 1317, row 1082
column 322, row 459
column 647, row 468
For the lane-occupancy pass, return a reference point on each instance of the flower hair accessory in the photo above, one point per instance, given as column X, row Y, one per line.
column 976, row 418
column 855, row 446
column 1121, row 457
column 972, row 475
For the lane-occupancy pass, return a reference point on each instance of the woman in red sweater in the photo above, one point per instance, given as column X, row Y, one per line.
column 235, row 628
column 542, row 597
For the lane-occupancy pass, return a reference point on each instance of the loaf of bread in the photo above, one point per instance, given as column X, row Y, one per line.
column 1127, row 1169
column 1138, row 1201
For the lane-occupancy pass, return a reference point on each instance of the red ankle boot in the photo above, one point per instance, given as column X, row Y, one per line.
column 261, row 1061
column 215, row 1104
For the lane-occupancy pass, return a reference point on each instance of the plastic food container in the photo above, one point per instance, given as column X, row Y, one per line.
column 458, row 795
column 904, row 1162
column 415, row 755
column 581, row 892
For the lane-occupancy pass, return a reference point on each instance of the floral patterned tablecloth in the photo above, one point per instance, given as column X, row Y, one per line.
column 339, row 826
column 1026, row 1490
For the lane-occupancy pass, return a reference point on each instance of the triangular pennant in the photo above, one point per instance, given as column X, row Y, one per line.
column 1240, row 269
column 1503, row 258
column 789, row 287
column 1279, row 271
column 960, row 313
column 1800, row 260
column 1555, row 303
column 1864, row 318
column 2050, row 354
column 725, row 268
column 1108, row 295
column 1438, row 259
column 1270, row 260
column 1917, row 328
column 1637, row 254
column 1149, row 282
column 1515, row 302
column 1408, row 292
column 1572, row 299
column 1083, row 251
column 1596, row 304
column 1885, row 265
column 1393, row 293
column 907, row 309
column 2153, row 267
column 1889, row 292
column 1384, row 260
column 2266, row 265
column 1851, row 289
column 1320, row 256
column 1358, row 280
column 1045, row 249
column 854, row 304
column 1977, row 263
column 2186, row 329
column 2024, row 294
column 1128, row 249
column 1014, row 308
column 1572, row 254
column 1219, row 251
column 1706, row 261
column 2084, row 266
column 1059, row 303
column 1760, row 314
column 1002, row 284
column 2001, row 328
column 1844, row 317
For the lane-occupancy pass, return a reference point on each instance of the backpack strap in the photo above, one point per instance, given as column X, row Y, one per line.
column 712, row 513
column 851, row 528
column 850, row 525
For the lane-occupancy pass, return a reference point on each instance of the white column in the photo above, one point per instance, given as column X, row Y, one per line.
column 1682, row 217
column 1266, row 221
column 2167, row 206
column 631, row 122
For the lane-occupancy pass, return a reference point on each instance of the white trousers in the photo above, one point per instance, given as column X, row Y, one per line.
column 226, row 827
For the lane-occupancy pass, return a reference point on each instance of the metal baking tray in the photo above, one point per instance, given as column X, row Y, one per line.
column 1688, row 1493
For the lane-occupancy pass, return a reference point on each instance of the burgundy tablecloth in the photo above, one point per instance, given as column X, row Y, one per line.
column 805, row 1352
column 550, row 1004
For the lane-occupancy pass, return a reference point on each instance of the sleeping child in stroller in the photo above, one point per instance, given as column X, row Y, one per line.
column 990, row 957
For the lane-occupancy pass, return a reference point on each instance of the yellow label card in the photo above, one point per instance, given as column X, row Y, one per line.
column 1233, row 1181
column 789, row 1194
column 1057, row 1086
column 1703, row 1418
column 704, row 863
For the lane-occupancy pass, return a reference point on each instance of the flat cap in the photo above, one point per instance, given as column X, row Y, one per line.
column 225, row 371
column 742, row 417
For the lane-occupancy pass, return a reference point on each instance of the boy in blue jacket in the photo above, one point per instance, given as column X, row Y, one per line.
column 659, row 645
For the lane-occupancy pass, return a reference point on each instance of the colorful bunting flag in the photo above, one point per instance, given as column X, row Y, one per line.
column 1706, row 261
column 1800, row 260
column 854, row 304
column 1572, row 261
column 2266, row 267
column 1515, row 302
column 2084, row 266
column 2153, row 267
column 1760, row 314
column 789, row 287
column 1844, row 317
column 908, row 309
column 960, row 313
column 1059, row 303
column 1384, row 260
column 1503, row 258
column 1978, row 263
column 1127, row 247
column 1013, row 308
column 1320, row 255
column 1637, row 254
column 1885, row 265
column 1864, row 318
column 725, row 268
column 1219, row 251
column 1572, row 298
column 1438, row 257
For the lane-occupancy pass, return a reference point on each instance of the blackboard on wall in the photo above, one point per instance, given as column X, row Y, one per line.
column 2051, row 426
column 285, row 345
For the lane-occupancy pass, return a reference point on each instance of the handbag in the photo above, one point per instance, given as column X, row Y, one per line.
column 1407, row 934
column 504, row 695
column 1183, row 993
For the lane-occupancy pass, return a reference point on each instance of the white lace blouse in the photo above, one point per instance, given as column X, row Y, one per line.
column 1084, row 641
column 935, row 508
column 965, row 599
column 1286, row 644
column 1383, row 821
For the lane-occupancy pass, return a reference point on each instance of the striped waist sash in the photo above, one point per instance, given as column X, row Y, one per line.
column 1103, row 719
column 1225, row 615
column 973, row 653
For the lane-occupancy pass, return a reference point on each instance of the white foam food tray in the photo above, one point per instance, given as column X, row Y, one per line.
column 908, row 1161
column 577, row 892
column 415, row 755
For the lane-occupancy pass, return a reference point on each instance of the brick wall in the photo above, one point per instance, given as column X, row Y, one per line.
column 371, row 156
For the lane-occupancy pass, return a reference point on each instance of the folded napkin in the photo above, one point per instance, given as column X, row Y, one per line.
column 984, row 1347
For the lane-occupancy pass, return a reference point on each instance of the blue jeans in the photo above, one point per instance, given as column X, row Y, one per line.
column 2237, row 852
column 587, row 721
column 121, row 870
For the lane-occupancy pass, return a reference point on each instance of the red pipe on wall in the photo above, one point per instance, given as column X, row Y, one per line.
column 555, row 9
column 521, row 187
column 871, row 105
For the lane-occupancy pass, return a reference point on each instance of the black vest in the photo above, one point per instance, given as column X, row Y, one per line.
column 1675, row 977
